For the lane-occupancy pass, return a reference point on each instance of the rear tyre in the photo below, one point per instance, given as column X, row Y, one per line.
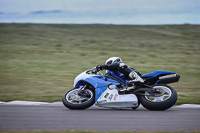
column 161, row 101
column 73, row 101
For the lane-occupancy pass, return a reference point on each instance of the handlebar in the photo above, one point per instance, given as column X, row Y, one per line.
column 94, row 71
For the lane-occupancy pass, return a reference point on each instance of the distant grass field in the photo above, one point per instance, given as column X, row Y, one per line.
column 40, row 61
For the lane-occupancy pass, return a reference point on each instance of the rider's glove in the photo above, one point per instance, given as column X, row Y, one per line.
column 98, row 68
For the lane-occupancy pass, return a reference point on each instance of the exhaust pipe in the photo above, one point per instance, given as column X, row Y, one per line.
column 169, row 79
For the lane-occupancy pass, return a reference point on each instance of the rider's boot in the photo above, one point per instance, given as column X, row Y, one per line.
column 134, row 83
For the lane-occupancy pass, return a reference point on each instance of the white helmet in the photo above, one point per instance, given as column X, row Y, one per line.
column 113, row 60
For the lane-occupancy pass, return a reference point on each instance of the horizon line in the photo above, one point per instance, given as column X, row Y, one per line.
column 95, row 23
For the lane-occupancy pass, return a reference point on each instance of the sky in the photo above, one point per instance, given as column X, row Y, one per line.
column 100, row 11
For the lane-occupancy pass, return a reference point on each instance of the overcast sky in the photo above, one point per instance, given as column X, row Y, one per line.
column 101, row 11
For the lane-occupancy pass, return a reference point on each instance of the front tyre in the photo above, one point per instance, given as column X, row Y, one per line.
column 73, row 101
column 164, row 99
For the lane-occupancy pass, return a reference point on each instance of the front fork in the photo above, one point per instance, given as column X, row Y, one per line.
column 82, row 92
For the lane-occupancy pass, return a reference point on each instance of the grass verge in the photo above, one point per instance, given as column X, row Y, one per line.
column 40, row 61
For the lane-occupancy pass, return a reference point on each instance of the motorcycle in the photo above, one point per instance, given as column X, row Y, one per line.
column 92, row 87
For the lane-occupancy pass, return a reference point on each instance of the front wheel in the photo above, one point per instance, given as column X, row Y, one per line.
column 72, row 100
column 164, row 99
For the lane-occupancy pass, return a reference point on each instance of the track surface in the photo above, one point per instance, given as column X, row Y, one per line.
column 57, row 117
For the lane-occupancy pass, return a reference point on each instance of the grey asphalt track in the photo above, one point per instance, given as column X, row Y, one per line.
column 57, row 117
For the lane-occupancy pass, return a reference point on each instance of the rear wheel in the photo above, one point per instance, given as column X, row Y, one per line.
column 72, row 100
column 164, row 98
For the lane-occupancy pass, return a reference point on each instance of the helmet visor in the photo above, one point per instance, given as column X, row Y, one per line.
column 117, row 60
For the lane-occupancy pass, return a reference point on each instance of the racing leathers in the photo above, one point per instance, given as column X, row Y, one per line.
column 128, row 72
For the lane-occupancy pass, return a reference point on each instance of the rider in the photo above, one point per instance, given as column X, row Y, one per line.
column 116, row 64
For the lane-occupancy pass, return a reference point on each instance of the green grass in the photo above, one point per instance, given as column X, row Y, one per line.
column 40, row 61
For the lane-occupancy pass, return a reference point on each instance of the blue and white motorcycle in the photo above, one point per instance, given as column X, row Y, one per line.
column 92, row 87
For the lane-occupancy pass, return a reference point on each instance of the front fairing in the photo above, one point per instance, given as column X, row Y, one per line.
column 96, row 80
column 81, row 77
column 99, row 82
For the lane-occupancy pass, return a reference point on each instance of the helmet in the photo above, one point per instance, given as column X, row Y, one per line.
column 113, row 60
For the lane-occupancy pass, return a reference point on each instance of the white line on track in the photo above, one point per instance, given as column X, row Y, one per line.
column 28, row 103
column 60, row 104
column 188, row 106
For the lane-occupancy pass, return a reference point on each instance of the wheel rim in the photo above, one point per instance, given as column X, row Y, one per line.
column 165, row 94
column 74, row 98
